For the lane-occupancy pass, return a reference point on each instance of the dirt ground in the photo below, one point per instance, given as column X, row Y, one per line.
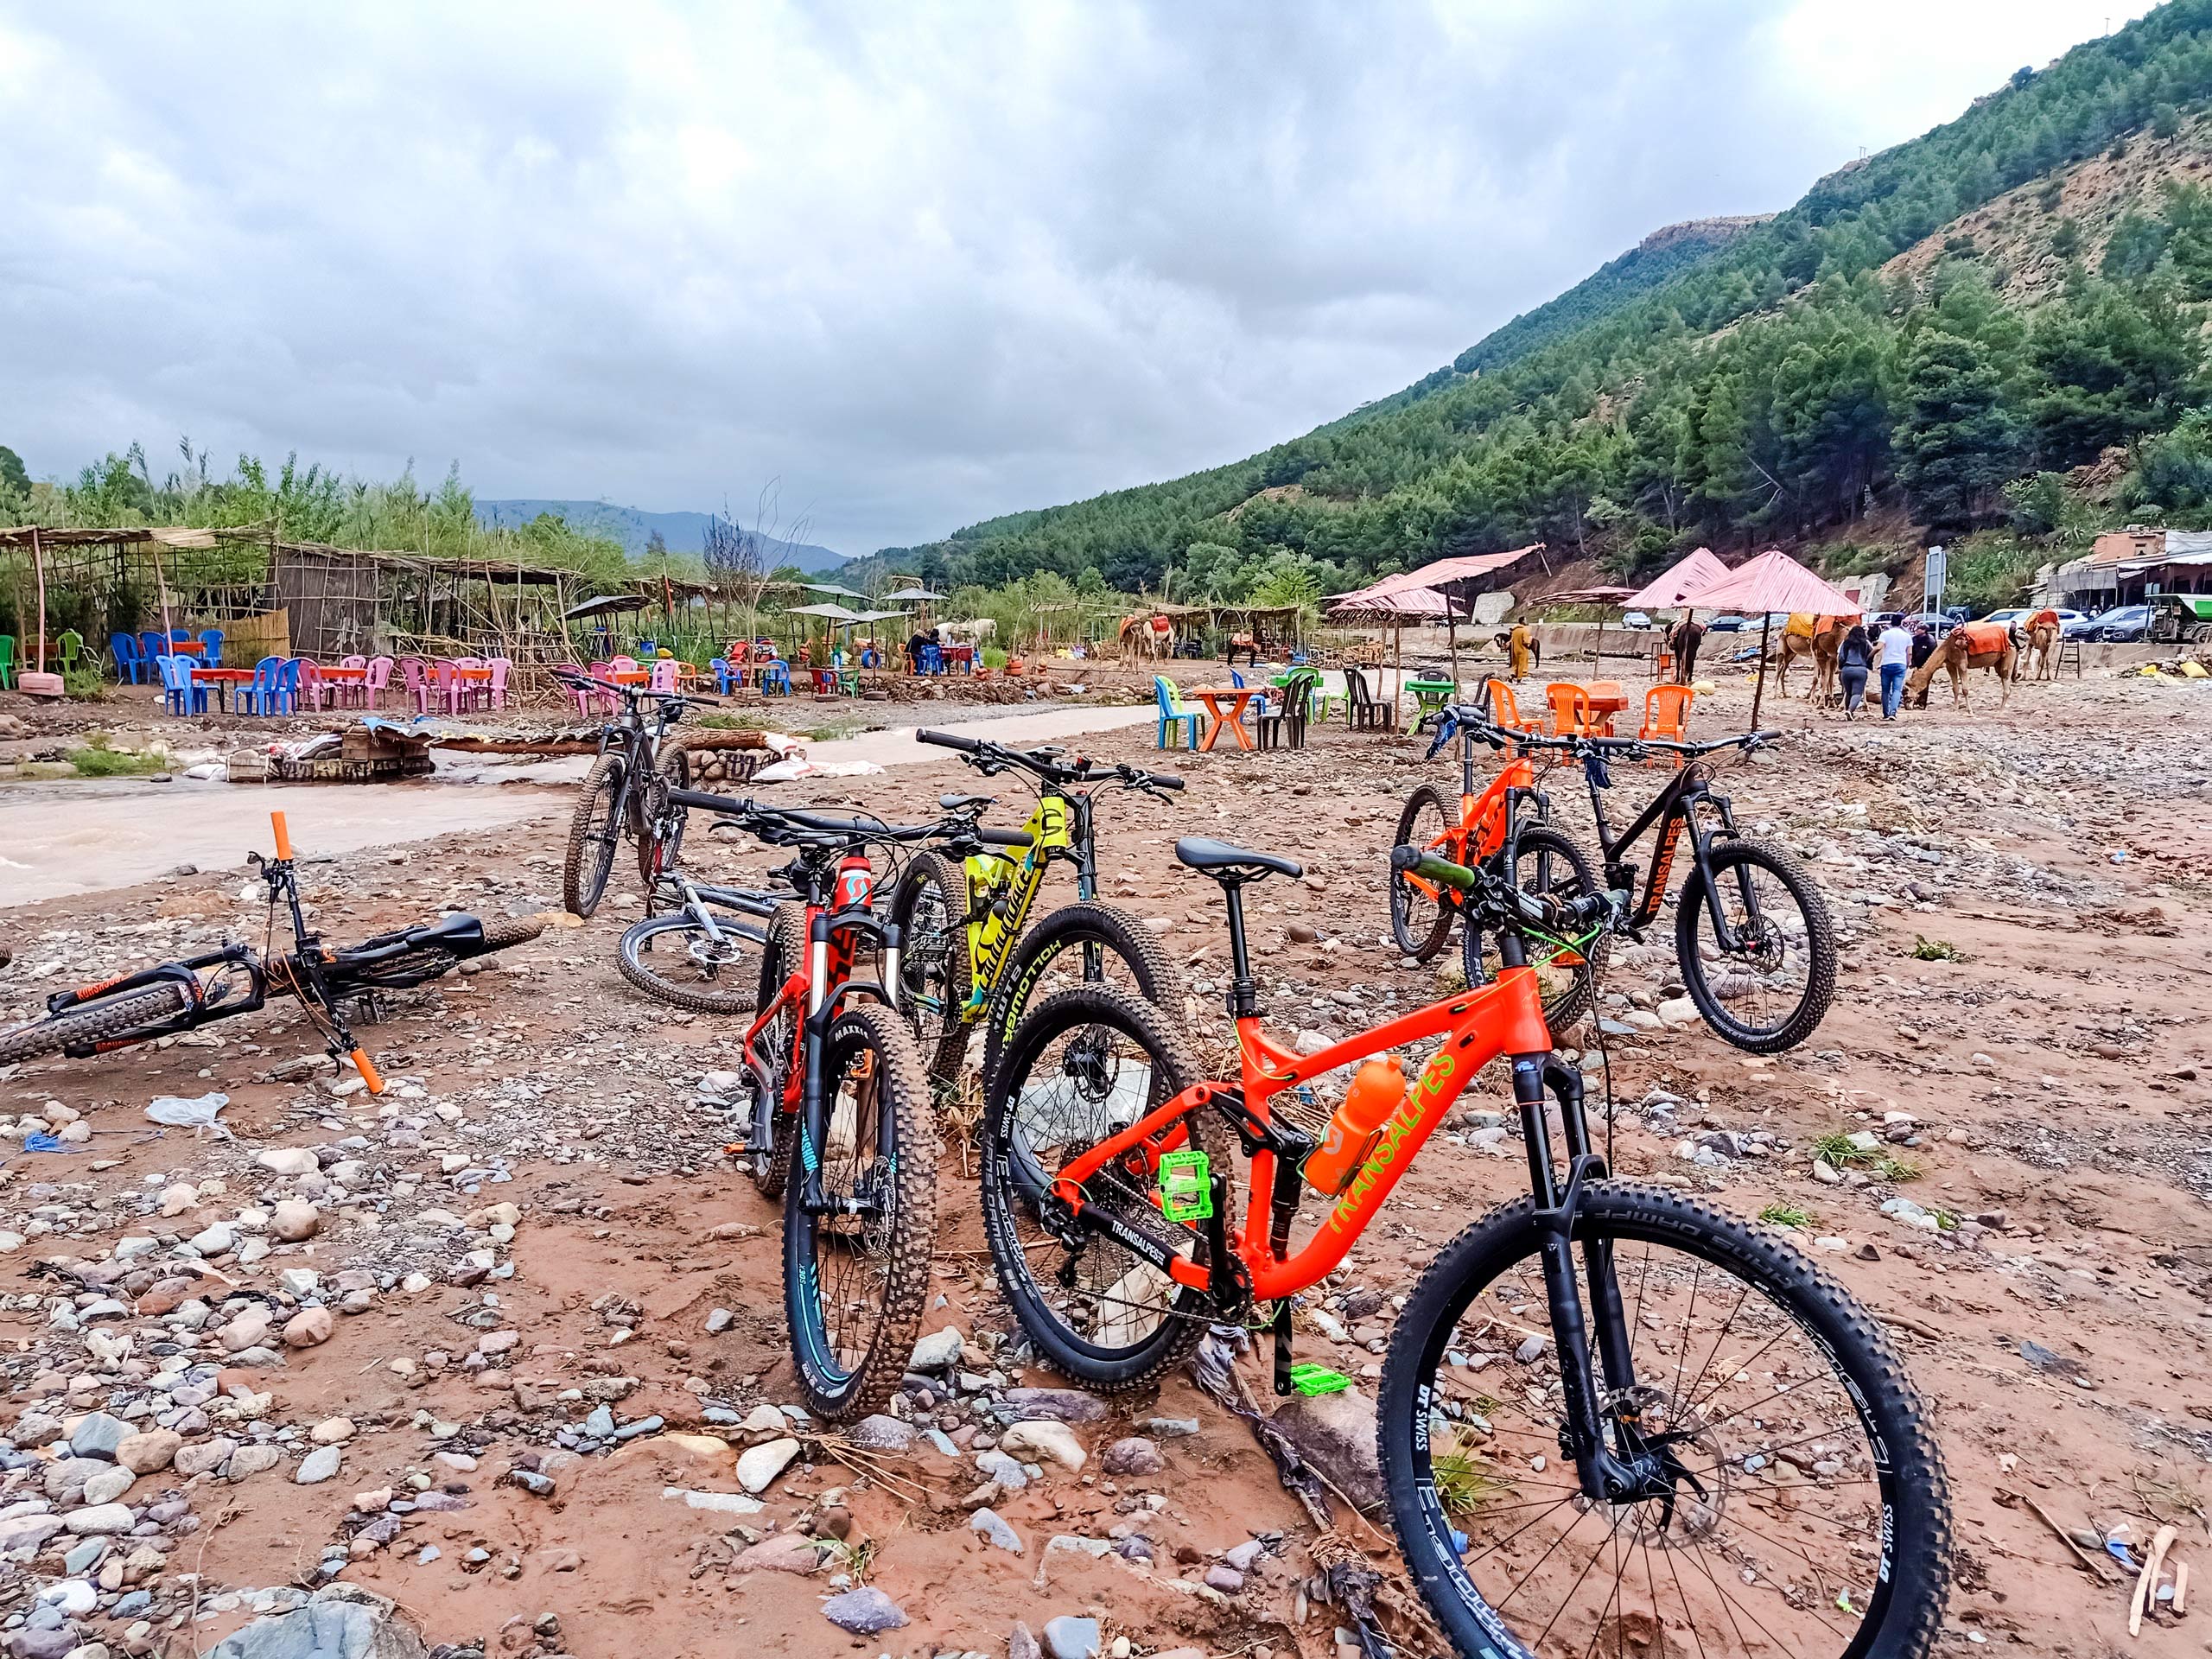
column 2053, row 1067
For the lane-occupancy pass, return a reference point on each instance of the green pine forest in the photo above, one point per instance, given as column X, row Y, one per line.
column 1770, row 385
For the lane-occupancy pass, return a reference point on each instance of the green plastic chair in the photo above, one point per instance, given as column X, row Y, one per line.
column 1175, row 713
column 72, row 646
column 7, row 661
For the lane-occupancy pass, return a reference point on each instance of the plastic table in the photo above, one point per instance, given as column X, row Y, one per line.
column 1238, row 697
column 222, row 679
column 1433, row 695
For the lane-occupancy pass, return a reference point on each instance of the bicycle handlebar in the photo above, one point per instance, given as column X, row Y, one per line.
column 990, row 757
column 1540, row 910
column 1480, row 726
column 766, row 821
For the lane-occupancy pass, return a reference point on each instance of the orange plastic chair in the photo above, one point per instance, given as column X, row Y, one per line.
column 1570, row 714
column 1505, row 709
column 1666, row 714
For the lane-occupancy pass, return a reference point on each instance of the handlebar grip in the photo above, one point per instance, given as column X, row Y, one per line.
column 1003, row 837
column 283, row 836
column 707, row 801
column 947, row 740
column 368, row 1071
column 1166, row 780
column 1412, row 861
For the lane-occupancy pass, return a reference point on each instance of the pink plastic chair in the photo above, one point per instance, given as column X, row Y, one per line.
column 449, row 684
column 416, row 671
column 496, row 688
column 623, row 664
column 350, row 694
column 583, row 698
column 604, row 673
column 663, row 677
column 312, row 684
column 379, row 675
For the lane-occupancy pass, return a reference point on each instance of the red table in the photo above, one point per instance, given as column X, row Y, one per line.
column 186, row 648
column 222, row 679
column 342, row 673
column 1238, row 697
column 620, row 676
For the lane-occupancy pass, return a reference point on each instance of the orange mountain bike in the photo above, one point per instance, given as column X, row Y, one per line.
column 1506, row 823
column 1612, row 1415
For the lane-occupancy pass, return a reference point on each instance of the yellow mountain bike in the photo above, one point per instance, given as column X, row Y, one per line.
column 966, row 959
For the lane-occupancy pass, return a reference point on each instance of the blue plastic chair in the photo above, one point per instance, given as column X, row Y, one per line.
column 933, row 660
column 211, row 640
column 152, row 645
column 179, row 695
column 1259, row 705
column 287, row 685
column 776, row 679
column 723, row 674
column 123, row 648
column 261, row 696
column 1172, row 710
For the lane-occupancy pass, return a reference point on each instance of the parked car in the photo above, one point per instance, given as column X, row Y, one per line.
column 2009, row 618
column 1635, row 619
column 1726, row 624
column 2070, row 623
column 2122, row 625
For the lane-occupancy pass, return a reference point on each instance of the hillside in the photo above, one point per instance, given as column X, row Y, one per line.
column 1918, row 333
column 683, row 533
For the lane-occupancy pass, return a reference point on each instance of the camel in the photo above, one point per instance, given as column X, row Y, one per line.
column 1971, row 645
column 1147, row 636
column 2038, row 637
column 1822, row 645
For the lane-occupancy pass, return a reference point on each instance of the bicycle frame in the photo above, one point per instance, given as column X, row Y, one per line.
column 1503, row 1017
column 1673, row 808
column 1485, row 819
column 996, row 917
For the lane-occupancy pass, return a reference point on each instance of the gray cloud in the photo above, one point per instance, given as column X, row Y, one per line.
column 924, row 264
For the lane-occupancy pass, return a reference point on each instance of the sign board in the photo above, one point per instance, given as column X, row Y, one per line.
column 1932, row 582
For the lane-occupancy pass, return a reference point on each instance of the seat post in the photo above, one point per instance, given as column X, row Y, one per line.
column 1243, row 989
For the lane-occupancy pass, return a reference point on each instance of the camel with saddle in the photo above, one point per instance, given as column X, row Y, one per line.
column 1819, row 637
column 2038, row 637
column 1971, row 645
column 1150, row 636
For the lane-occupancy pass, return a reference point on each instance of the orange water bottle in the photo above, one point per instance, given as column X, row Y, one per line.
column 1376, row 1090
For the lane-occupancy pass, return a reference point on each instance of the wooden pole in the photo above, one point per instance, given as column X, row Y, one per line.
column 1758, row 690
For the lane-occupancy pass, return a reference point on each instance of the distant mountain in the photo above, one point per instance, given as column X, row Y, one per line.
column 683, row 532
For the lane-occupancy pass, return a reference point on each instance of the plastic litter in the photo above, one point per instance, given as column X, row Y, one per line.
column 182, row 1112
column 38, row 1140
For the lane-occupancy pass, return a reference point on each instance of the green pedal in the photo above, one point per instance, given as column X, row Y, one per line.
column 1186, row 1186
column 1309, row 1378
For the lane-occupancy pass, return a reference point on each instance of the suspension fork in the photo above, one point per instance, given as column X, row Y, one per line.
column 1723, row 931
column 1086, row 879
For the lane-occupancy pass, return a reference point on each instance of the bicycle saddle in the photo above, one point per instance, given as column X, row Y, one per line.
column 1225, row 862
column 962, row 802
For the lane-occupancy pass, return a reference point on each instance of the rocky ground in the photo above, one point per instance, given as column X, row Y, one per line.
column 498, row 1358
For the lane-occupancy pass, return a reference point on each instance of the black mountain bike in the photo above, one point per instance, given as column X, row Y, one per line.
column 620, row 791
column 967, row 958
column 839, row 1093
column 1753, row 934
column 180, row 995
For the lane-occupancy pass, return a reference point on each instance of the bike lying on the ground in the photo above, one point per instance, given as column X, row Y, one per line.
column 700, row 949
column 1753, row 934
column 966, row 958
column 840, row 1128
column 1612, row 1415
column 620, row 791
column 178, row 996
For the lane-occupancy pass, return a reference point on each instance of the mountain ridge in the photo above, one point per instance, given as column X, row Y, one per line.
column 634, row 527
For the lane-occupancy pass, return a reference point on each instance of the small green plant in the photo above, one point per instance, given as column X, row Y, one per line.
column 725, row 722
column 1840, row 1151
column 1786, row 1215
column 84, row 683
column 1927, row 949
column 1465, row 1481
column 1897, row 1169
column 836, row 731
column 100, row 761
column 993, row 659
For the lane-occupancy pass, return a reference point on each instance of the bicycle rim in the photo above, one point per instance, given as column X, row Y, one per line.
column 1419, row 922
column 1778, row 1534
column 592, row 837
column 1772, row 989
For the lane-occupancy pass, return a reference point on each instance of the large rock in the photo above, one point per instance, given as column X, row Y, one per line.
column 937, row 1350
column 864, row 1611
column 759, row 1465
column 1044, row 1441
column 101, row 1519
column 1068, row 1638
column 339, row 1621
column 1336, row 1433
column 97, row 1434
column 293, row 1221
column 204, row 1456
column 1062, row 1405
column 1135, row 1456
column 781, row 1551
column 142, row 1454
column 309, row 1328
column 289, row 1160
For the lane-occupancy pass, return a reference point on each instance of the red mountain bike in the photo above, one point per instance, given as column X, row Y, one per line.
column 1612, row 1416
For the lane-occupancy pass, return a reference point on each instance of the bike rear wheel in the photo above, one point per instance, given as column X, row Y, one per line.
column 1419, row 920
column 593, row 833
column 930, row 905
column 1546, row 863
column 1082, row 943
column 1772, row 990
column 1086, row 1063
column 783, row 955
column 99, row 1022
column 673, row 957
column 855, row 1278
column 1804, row 1510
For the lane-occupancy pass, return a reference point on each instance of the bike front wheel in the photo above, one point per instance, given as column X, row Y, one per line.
column 593, row 833
column 1083, row 944
column 856, row 1271
column 673, row 957
column 1767, row 985
column 1545, row 862
column 1420, row 919
column 1793, row 1500
column 930, row 905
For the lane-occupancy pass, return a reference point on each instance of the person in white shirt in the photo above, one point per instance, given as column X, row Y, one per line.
column 1895, row 652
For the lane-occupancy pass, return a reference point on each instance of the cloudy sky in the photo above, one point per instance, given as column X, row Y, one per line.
column 921, row 263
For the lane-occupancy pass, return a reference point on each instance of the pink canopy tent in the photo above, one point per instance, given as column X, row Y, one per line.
column 1773, row 581
column 1686, row 576
column 1392, row 609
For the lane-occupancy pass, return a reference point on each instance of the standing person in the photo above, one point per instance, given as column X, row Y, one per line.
column 1852, row 658
column 914, row 647
column 1923, row 647
column 1896, row 653
column 1683, row 639
column 1518, row 642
